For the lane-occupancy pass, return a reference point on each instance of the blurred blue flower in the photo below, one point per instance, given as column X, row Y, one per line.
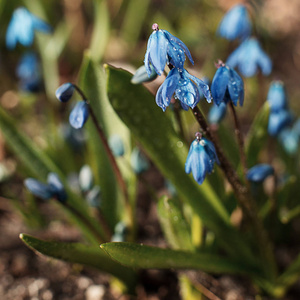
column 141, row 75
column 187, row 89
column 139, row 162
column 79, row 114
column 86, row 179
column 75, row 137
column 201, row 158
column 227, row 84
column 278, row 120
column 249, row 57
column 259, row 172
column 277, row 96
column 93, row 197
column 217, row 113
column 39, row 189
column 235, row 24
column 65, row 92
column 29, row 73
column 116, row 145
column 163, row 47
column 57, row 187
column 22, row 26
column 289, row 139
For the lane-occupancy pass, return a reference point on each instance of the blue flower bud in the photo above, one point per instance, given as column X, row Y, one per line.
column 86, row 179
column 201, row 159
column 138, row 161
column 278, row 121
column 217, row 113
column 163, row 47
column 22, row 27
column 277, row 96
column 65, row 92
column 38, row 188
column 116, row 145
column 235, row 24
column 259, row 173
column 227, row 84
column 289, row 139
column 57, row 187
column 93, row 197
column 79, row 115
column 141, row 75
column 249, row 57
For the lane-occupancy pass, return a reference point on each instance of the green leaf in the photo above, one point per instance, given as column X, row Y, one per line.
column 148, row 257
column 173, row 223
column 258, row 135
column 137, row 108
column 30, row 155
column 91, row 256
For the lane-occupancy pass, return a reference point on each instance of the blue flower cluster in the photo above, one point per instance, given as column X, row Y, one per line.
column 53, row 189
column 22, row 26
column 164, row 48
column 249, row 56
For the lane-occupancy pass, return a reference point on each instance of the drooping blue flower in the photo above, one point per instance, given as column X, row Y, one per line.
column 57, row 187
column 278, row 121
column 164, row 48
column 79, row 114
column 227, row 84
column 22, row 27
column 39, row 189
column 277, row 96
column 217, row 113
column 76, row 138
column 65, row 92
column 249, row 57
column 116, row 145
column 29, row 73
column 141, row 75
column 186, row 87
column 235, row 24
column 138, row 161
column 289, row 139
column 201, row 159
column 259, row 172
column 86, row 178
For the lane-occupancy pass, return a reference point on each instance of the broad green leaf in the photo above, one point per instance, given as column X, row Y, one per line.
column 148, row 257
column 91, row 256
column 101, row 30
column 173, row 223
column 258, row 135
column 137, row 108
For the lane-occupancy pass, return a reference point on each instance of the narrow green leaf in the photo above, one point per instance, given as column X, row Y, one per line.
column 91, row 256
column 173, row 223
column 137, row 108
column 258, row 135
column 148, row 257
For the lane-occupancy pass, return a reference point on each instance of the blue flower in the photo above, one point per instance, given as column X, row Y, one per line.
column 187, row 88
column 65, row 92
column 249, row 57
column 22, row 26
column 79, row 114
column 141, row 75
column 57, row 187
column 138, row 161
column 235, row 24
column 164, row 48
column 277, row 96
column 93, row 197
column 201, row 158
column 259, row 172
column 289, row 139
column 278, row 121
column 116, row 145
column 227, row 84
column 39, row 189
column 217, row 113
column 85, row 178
column 28, row 72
